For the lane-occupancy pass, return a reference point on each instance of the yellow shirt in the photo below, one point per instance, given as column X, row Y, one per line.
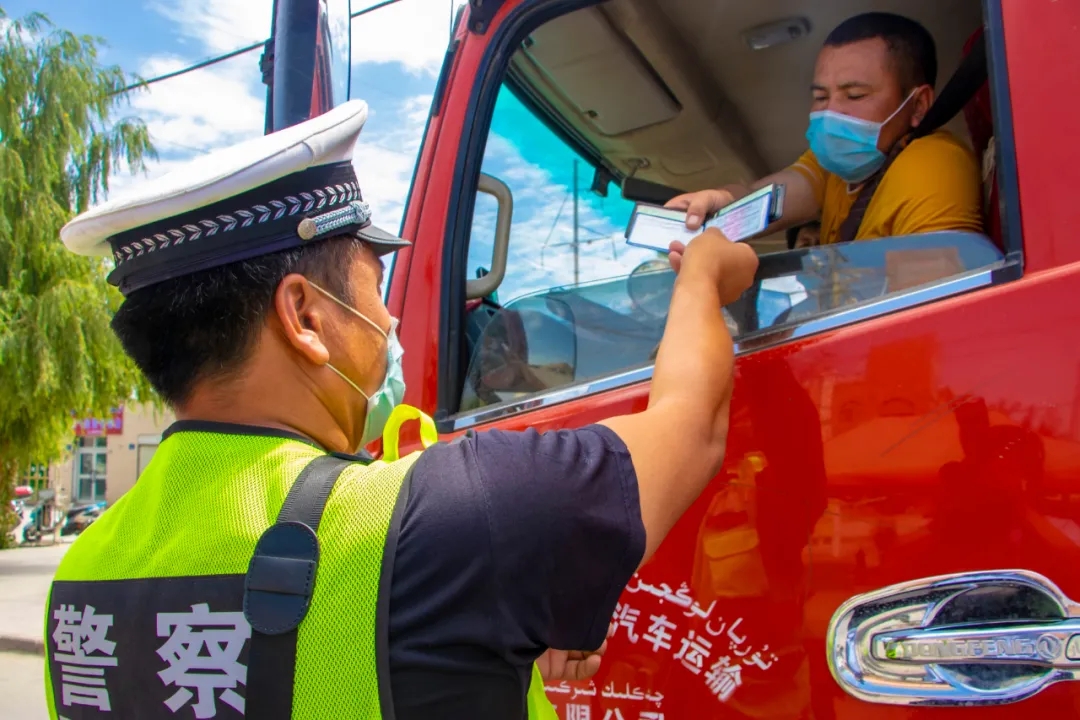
column 934, row 184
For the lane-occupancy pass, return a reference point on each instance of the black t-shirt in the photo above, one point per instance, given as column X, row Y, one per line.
column 510, row 543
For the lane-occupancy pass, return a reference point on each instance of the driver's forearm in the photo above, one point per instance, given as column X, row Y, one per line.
column 800, row 203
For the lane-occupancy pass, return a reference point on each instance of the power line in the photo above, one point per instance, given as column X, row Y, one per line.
column 373, row 8
column 191, row 68
column 239, row 51
column 182, row 146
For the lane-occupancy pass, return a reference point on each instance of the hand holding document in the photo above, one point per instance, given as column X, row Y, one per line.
column 656, row 227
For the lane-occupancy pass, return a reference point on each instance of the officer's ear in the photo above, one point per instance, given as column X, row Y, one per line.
column 301, row 318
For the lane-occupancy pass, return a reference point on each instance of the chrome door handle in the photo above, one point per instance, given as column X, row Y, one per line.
column 982, row 638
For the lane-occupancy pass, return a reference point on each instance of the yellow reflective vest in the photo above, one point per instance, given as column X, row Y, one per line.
column 241, row 570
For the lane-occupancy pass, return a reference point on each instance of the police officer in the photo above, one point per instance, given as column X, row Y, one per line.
column 263, row 565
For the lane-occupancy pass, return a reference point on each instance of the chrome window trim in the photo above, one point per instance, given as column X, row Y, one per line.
column 770, row 337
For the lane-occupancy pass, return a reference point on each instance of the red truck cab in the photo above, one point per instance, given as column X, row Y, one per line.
column 895, row 532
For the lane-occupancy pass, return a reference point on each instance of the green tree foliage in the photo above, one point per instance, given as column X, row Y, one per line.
column 60, row 138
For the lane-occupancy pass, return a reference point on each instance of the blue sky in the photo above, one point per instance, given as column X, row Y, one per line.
column 538, row 167
column 396, row 55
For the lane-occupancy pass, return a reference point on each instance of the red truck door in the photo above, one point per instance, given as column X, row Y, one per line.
column 896, row 526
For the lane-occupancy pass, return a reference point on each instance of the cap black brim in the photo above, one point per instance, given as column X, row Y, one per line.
column 381, row 242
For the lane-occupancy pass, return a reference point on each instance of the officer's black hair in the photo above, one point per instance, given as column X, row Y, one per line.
column 910, row 44
column 206, row 324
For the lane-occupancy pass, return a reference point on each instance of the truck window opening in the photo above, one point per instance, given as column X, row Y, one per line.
column 599, row 92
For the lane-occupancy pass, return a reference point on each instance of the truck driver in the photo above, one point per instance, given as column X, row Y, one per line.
column 873, row 84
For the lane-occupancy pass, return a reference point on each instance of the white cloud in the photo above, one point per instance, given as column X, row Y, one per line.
column 225, row 103
column 24, row 34
column 194, row 113
column 414, row 33
column 203, row 109
column 209, row 108
column 385, row 151
column 218, row 26
column 122, row 180
column 411, row 32
column 539, row 257
column 386, row 155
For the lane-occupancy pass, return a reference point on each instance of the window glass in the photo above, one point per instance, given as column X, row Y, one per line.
column 525, row 336
column 798, row 285
column 538, row 167
column 566, row 335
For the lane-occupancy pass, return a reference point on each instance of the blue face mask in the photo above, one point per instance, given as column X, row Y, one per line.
column 392, row 391
column 847, row 146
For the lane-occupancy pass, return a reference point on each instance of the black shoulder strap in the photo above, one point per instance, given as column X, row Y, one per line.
column 962, row 86
column 850, row 227
column 278, row 588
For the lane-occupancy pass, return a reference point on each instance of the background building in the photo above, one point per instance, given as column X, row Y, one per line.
column 106, row 457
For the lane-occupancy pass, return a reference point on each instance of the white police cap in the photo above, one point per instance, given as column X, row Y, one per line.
column 271, row 193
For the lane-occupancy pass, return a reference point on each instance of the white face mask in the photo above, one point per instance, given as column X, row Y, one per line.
column 392, row 391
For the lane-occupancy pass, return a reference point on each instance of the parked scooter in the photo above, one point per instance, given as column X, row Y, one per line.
column 35, row 521
column 16, row 536
column 79, row 518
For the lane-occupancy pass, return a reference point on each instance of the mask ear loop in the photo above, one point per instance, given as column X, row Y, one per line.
column 354, row 311
column 363, row 317
column 428, row 433
column 902, row 106
column 913, row 92
column 354, row 385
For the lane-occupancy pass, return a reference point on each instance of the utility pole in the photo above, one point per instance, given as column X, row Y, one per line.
column 576, row 281
column 576, row 242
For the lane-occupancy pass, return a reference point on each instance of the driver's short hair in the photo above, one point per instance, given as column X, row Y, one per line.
column 910, row 44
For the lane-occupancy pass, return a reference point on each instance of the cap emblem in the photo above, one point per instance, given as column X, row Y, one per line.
column 355, row 213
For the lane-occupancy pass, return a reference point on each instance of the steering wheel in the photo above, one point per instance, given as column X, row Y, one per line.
column 649, row 288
